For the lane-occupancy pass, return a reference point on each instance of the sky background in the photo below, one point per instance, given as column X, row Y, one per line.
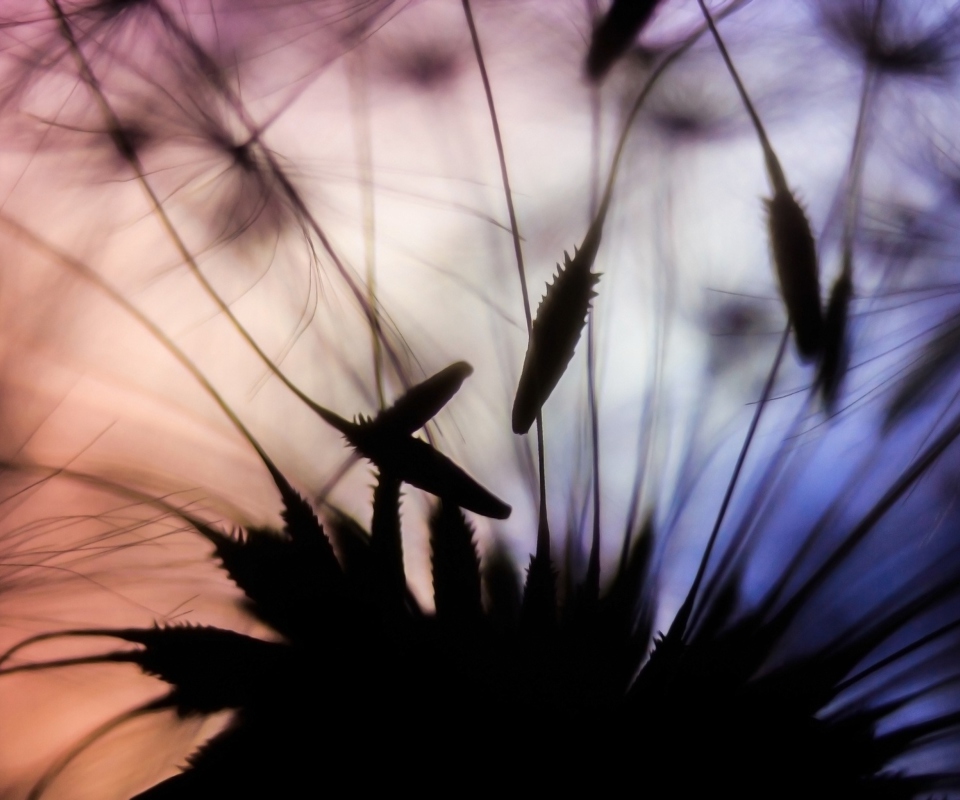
column 373, row 116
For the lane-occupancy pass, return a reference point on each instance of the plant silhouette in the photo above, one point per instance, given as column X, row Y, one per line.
column 766, row 606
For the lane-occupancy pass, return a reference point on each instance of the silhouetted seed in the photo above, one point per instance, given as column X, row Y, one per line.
column 615, row 33
column 538, row 613
column 352, row 543
column 417, row 463
column 385, row 440
column 422, row 402
column 211, row 669
column 795, row 257
column 125, row 140
column 502, row 588
column 456, row 567
column 108, row 10
column 556, row 330
column 426, row 66
column 118, row 6
column 894, row 38
column 386, row 543
column 286, row 586
column 304, row 529
column 794, row 251
column 833, row 359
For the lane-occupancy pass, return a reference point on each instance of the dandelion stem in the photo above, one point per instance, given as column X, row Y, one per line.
column 127, row 151
column 255, row 133
column 93, row 277
column 543, row 529
column 598, row 215
column 684, row 614
column 774, row 170
column 654, row 76
column 855, row 170
column 900, row 487
column 357, row 69
column 129, row 154
column 593, row 565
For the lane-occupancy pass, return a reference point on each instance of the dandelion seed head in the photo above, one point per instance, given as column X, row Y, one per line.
column 901, row 39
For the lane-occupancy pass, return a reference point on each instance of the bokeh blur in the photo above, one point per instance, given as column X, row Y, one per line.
column 327, row 171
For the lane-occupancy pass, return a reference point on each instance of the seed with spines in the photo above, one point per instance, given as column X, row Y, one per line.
column 557, row 327
column 795, row 259
column 614, row 34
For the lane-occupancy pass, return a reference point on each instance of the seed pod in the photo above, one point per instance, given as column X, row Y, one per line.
column 833, row 359
column 556, row 330
column 422, row 402
column 415, row 462
column 456, row 567
column 386, row 441
column 795, row 258
column 615, row 33
column 794, row 251
column 210, row 668
column 284, row 583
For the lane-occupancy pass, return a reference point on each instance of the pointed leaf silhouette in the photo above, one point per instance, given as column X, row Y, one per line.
column 415, row 462
column 456, row 567
column 211, row 669
column 281, row 581
column 502, row 588
column 387, row 443
column 538, row 614
column 304, row 529
column 833, row 359
column 420, row 403
column 556, row 330
column 386, row 544
column 795, row 258
column 614, row 34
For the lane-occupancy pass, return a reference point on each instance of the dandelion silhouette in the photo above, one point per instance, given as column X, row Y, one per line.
column 766, row 609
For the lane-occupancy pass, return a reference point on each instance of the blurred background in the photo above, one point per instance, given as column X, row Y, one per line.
column 328, row 170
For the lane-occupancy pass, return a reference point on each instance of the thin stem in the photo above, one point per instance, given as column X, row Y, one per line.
column 94, row 278
column 543, row 530
column 658, row 71
column 48, row 777
column 504, row 176
column 362, row 134
column 255, row 133
column 890, row 498
column 593, row 565
column 127, row 151
column 855, row 169
column 684, row 615
column 774, row 170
